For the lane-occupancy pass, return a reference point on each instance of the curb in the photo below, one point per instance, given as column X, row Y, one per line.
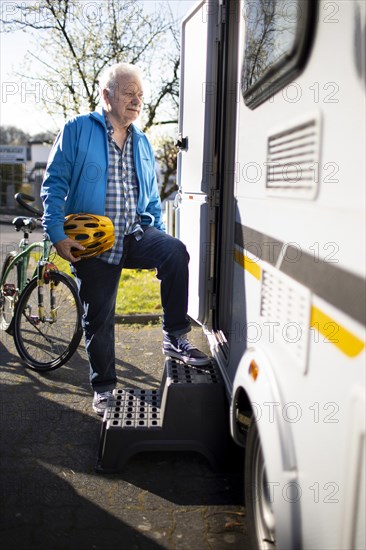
column 7, row 218
column 138, row 319
column 6, row 221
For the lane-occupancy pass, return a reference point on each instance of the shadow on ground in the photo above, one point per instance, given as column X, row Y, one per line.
column 52, row 498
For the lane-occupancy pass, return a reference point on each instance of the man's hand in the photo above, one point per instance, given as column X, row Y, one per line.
column 64, row 249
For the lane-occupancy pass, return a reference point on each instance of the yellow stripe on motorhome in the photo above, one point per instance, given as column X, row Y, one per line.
column 249, row 265
column 335, row 333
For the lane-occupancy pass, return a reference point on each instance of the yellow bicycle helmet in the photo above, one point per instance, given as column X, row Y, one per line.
column 94, row 232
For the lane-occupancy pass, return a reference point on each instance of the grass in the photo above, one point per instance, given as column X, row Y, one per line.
column 138, row 292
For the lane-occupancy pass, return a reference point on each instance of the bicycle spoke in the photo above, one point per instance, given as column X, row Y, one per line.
column 46, row 340
column 37, row 328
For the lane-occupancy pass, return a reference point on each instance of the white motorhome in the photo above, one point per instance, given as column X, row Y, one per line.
column 272, row 208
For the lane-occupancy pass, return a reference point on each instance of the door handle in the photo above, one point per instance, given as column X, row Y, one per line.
column 182, row 143
column 177, row 200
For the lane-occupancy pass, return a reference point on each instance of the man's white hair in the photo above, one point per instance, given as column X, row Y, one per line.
column 107, row 80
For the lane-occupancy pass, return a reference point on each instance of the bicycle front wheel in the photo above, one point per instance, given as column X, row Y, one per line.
column 47, row 337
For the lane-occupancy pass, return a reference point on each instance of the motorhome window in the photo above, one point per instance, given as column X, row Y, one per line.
column 278, row 36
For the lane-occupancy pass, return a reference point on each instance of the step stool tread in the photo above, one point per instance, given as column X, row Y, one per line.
column 133, row 408
column 188, row 412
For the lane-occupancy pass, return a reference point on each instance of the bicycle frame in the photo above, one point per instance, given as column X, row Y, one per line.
column 40, row 271
column 35, row 298
column 22, row 259
column 43, row 267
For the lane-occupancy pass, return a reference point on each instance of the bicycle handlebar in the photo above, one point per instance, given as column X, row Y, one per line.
column 21, row 199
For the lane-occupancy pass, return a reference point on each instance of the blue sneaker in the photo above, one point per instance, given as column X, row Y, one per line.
column 179, row 347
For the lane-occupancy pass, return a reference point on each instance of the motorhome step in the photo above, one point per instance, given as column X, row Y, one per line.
column 189, row 412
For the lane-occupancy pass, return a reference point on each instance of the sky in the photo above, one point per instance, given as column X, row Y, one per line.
column 20, row 102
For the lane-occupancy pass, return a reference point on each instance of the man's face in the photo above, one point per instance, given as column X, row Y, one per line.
column 125, row 100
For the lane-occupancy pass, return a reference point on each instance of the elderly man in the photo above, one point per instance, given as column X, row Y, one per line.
column 102, row 164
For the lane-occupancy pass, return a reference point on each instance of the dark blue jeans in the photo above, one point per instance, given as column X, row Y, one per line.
column 98, row 284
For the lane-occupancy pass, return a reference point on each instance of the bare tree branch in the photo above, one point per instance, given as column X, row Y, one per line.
column 77, row 40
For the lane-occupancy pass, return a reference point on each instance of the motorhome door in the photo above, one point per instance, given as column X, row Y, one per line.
column 195, row 160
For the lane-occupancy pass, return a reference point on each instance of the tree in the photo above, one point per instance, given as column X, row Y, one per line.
column 77, row 40
column 268, row 31
column 166, row 155
column 10, row 135
column 45, row 137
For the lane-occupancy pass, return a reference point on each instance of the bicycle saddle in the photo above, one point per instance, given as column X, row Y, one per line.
column 21, row 222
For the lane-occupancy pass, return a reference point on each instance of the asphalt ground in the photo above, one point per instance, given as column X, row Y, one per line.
column 51, row 496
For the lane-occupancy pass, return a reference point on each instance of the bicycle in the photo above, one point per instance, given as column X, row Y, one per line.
column 39, row 305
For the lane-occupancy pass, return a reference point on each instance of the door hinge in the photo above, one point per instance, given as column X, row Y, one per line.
column 214, row 198
column 222, row 13
column 211, row 293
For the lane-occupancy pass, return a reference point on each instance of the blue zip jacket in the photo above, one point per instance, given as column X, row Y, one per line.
column 77, row 171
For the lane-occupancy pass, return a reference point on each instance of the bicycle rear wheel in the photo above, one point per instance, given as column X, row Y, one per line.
column 46, row 342
column 9, row 291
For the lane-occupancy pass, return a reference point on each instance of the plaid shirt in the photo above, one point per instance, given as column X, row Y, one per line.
column 122, row 195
